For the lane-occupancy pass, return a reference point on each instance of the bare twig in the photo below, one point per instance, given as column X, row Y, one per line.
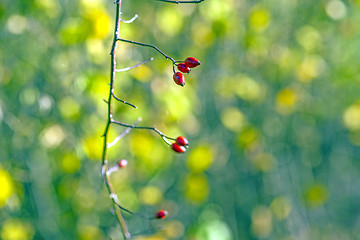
column 162, row 135
column 126, row 131
column 178, row 2
column 148, row 45
column 131, row 20
column 134, row 66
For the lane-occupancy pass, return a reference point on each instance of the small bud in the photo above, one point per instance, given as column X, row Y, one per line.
column 177, row 148
column 179, row 78
column 183, row 68
column 122, row 163
column 192, row 62
column 161, row 214
column 181, row 141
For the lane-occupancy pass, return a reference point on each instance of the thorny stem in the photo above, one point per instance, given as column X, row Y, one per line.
column 105, row 167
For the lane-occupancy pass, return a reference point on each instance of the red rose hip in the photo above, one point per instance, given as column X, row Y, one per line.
column 179, row 78
column 192, row 62
column 181, row 141
column 122, row 163
column 183, row 68
column 161, row 214
column 176, row 148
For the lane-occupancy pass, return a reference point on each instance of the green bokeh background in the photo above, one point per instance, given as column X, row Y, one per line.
column 272, row 116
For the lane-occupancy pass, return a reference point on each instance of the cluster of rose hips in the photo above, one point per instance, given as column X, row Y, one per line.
column 180, row 145
column 184, row 67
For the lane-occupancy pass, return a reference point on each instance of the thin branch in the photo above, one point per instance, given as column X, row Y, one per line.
column 137, row 65
column 131, row 20
column 177, row 2
column 120, row 100
column 162, row 135
column 104, row 167
column 147, row 45
column 126, row 131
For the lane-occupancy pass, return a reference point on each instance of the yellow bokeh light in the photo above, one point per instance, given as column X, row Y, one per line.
column 248, row 89
column 157, row 236
column 142, row 144
column 310, row 68
column 70, row 163
column 169, row 20
column 178, row 104
column 196, row 187
column 7, row 187
column 317, row 195
column 143, row 73
column 200, row 159
column 93, row 147
column 281, row 207
column 354, row 138
column 286, row 101
column 50, row 7
column 73, row 30
column 89, row 232
column 259, row 19
column 101, row 24
column 309, row 38
column 98, row 86
column 233, row 119
column 148, row 150
column 202, row 34
column 219, row 9
column 150, row 195
column 96, row 49
column 13, row 229
column 248, row 138
column 264, row 162
column 261, row 221
column 69, row 108
column 174, row 229
column 351, row 117
column 52, row 136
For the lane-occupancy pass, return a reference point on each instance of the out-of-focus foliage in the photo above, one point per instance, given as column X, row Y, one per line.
column 272, row 115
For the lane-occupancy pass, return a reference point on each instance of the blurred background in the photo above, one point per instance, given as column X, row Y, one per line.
column 272, row 116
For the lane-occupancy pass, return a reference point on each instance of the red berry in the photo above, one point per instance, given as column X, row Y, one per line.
column 183, row 68
column 122, row 163
column 191, row 62
column 177, row 148
column 181, row 141
column 179, row 78
column 161, row 214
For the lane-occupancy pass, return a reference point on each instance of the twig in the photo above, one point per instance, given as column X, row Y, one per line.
column 147, row 45
column 137, row 65
column 162, row 135
column 126, row 131
column 131, row 20
column 177, row 2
